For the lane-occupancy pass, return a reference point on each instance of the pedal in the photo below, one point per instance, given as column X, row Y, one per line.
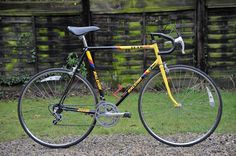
column 127, row 115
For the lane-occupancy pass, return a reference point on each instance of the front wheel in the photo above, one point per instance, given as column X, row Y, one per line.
column 42, row 118
column 189, row 124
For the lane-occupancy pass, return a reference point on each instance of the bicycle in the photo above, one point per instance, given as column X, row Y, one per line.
column 178, row 105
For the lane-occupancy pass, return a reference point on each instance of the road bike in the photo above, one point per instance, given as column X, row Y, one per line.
column 178, row 105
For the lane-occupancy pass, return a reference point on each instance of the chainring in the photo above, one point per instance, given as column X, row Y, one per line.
column 103, row 109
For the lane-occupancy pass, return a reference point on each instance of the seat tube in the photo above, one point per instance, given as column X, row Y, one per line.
column 91, row 63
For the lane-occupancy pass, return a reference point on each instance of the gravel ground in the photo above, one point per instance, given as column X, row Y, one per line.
column 137, row 145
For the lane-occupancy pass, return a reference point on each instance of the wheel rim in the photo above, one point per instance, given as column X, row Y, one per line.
column 189, row 124
column 44, row 91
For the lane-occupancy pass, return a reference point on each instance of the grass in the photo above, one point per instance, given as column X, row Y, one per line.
column 10, row 128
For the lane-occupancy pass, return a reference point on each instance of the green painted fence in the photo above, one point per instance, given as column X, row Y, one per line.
column 36, row 38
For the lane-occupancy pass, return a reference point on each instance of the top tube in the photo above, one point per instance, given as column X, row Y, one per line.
column 123, row 47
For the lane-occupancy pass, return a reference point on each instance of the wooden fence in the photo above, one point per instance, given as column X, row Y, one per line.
column 31, row 43
column 220, row 46
column 133, row 29
column 219, row 52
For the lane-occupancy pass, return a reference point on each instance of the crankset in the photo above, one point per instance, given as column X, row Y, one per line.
column 108, row 115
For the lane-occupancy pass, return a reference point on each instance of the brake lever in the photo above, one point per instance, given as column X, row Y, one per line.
column 181, row 41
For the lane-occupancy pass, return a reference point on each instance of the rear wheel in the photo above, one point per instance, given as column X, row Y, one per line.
column 194, row 121
column 42, row 118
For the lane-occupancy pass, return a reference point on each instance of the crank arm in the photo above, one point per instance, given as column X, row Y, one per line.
column 123, row 114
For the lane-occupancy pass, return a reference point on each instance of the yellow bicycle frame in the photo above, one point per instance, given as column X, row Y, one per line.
column 157, row 62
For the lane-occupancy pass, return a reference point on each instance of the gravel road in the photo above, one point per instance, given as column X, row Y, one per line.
column 123, row 145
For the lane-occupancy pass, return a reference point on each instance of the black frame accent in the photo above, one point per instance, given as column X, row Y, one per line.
column 73, row 76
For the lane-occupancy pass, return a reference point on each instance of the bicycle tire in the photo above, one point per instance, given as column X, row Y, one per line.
column 194, row 121
column 35, row 108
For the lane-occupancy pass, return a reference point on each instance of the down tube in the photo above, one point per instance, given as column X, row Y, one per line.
column 143, row 76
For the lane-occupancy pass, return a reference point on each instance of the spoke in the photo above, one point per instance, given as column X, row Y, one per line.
column 74, row 85
column 158, row 113
column 196, row 102
column 184, row 77
column 61, row 84
column 48, row 95
column 195, row 99
column 197, row 114
column 50, row 89
column 151, row 88
column 189, row 93
column 72, row 125
column 159, row 80
column 172, row 84
column 78, row 105
column 190, row 80
column 55, row 88
column 66, row 84
column 40, row 91
column 31, row 91
column 79, row 86
column 179, row 80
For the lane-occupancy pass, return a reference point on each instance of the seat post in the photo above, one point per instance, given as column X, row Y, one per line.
column 84, row 41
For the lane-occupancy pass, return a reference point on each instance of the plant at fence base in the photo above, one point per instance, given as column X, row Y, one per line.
column 1, row 94
column 33, row 55
column 72, row 60
column 14, row 79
